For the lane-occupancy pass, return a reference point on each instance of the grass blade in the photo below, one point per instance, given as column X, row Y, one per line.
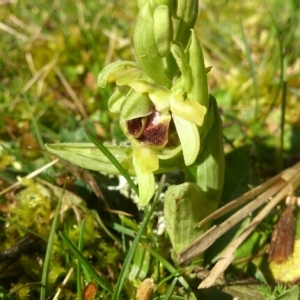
column 101, row 281
column 49, row 249
column 80, row 245
column 113, row 160
column 170, row 289
column 172, row 270
column 253, row 74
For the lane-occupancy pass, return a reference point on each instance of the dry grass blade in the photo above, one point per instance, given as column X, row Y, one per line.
column 65, row 281
column 13, row 32
column 29, row 176
column 210, row 236
column 39, row 74
column 239, row 201
column 71, row 92
column 291, row 177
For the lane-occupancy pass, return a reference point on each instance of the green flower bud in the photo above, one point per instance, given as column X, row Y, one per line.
column 163, row 29
column 183, row 65
column 145, row 47
column 187, row 13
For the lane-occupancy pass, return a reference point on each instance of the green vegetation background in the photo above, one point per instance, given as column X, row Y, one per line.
column 50, row 55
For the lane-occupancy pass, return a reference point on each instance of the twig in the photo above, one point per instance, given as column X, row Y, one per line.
column 210, row 236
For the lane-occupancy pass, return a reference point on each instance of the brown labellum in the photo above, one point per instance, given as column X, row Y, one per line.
column 136, row 126
column 152, row 130
column 283, row 237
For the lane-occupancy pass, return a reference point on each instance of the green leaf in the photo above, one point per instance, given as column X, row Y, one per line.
column 88, row 156
column 210, row 164
column 113, row 160
column 184, row 205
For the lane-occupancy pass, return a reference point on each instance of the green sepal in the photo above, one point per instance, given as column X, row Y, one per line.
column 163, row 29
column 120, row 72
column 187, row 13
column 129, row 104
column 135, row 106
column 117, row 99
column 189, row 137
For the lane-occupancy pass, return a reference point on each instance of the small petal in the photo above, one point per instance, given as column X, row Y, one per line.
column 189, row 139
column 158, row 94
column 135, row 106
column 129, row 104
column 117, row 99
column 187, row 109
column 169, row 152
